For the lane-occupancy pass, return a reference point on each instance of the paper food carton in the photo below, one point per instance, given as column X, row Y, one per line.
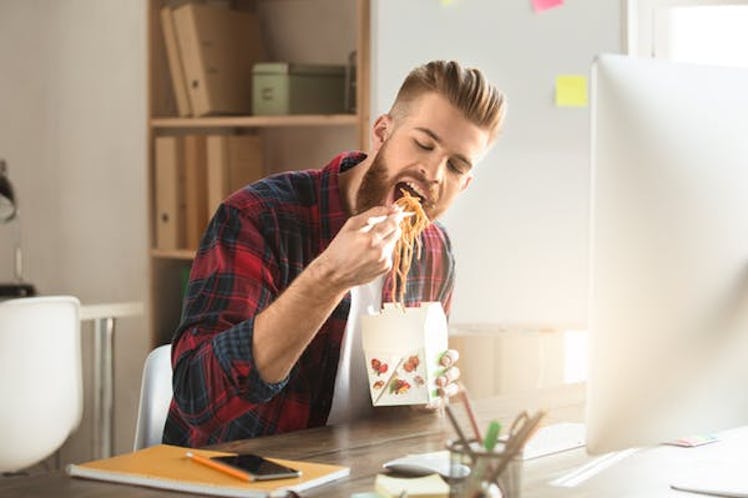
column 402, row 348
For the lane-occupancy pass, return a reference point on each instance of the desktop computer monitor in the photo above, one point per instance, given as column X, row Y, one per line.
column 668, row 316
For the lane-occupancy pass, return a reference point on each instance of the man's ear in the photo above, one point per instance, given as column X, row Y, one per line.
column 380, row 131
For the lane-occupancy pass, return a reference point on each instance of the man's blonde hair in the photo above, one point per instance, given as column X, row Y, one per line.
column 465, row 88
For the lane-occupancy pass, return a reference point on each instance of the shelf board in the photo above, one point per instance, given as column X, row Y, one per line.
column 256, row 121
column 186, row 254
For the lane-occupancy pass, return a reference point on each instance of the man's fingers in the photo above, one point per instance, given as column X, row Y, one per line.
column 372, row 221
column 381, row 228
column 449, row 376
column 446, row 382
column 449, row 358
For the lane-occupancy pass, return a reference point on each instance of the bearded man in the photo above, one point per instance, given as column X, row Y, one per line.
column 267, row 322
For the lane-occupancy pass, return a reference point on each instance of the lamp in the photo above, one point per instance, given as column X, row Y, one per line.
column 8, row 213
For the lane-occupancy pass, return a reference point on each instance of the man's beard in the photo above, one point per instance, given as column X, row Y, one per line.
column 374, row 186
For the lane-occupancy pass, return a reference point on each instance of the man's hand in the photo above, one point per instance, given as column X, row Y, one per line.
column 360, row 252
column 363, row 248
column 447, row 381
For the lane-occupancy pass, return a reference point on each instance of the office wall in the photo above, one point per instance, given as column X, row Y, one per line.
column 520, row 230
column 73, row 107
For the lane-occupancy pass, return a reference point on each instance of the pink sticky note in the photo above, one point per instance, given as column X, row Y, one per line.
column 541, row 5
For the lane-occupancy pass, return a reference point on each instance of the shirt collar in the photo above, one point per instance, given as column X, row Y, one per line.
column 333, row 213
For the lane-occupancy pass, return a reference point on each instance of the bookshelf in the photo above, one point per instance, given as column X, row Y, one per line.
column 302, row 31
column 165, row 123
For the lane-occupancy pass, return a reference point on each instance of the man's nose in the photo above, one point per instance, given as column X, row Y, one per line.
column 433, row 169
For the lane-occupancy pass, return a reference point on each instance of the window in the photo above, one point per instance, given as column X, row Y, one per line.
column 698, row 31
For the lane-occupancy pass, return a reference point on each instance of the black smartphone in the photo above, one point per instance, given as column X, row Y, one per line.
column 259, row 468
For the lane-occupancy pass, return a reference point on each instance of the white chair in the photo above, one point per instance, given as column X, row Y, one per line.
column 41, row 385
column 155, row 397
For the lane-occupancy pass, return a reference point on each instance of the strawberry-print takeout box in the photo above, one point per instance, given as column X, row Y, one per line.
column 403, row 347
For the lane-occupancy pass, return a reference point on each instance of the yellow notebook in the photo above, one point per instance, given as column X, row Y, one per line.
column 166, row 467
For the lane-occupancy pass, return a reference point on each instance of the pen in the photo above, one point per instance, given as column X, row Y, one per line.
column 492, row 435
column 458, row 430
column 469, row 410
column 516, row 442
column 219, row 467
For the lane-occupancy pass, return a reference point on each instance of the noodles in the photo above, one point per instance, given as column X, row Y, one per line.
column 411, row 227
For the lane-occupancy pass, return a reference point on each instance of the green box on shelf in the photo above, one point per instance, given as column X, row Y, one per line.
column 280, row 88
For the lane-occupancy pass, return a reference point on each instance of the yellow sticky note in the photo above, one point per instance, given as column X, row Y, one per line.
column 571, row 90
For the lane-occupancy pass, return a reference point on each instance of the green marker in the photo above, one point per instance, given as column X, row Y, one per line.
column 492, row 435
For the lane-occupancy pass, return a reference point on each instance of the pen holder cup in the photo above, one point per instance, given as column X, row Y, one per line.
column 478, row 473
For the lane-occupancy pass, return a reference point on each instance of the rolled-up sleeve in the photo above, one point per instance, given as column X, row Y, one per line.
column 232, row 280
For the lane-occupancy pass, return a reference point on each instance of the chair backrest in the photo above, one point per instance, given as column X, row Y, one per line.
column 155, row 397
column 41, row 385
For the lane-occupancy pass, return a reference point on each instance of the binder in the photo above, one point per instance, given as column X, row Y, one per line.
column 166, row 467
column 219, row 46
column 195, row 192
column 174, row 58
column 246, row 161
column 218, row 175
column 233, row 162
column 169, row 180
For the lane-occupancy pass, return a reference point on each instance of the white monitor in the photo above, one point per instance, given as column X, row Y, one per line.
column 669, row 252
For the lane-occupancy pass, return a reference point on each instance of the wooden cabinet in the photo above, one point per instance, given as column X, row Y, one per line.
column 300, row 31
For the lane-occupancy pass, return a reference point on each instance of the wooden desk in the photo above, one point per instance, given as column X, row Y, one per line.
column 366, row 445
